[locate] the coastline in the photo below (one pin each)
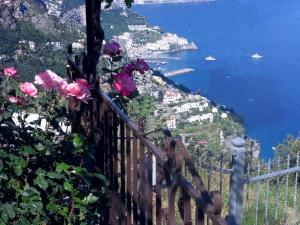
(145, 2)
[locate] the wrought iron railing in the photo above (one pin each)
(140, 172)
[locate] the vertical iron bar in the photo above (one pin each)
(187, 209)
(128, 175)
(149, 191)
(257, 195)
(142, 182)
(106, 142)
(277, 193)
(208, 178)
(286, 192)
(111, 164)
(158, 196)
(116, 168)
(267, 197)
(122, 148)
(295, 190)
(135, 181)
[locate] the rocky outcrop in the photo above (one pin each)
(10, 12)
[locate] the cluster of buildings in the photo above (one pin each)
(166, 43)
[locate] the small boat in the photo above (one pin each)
(210, 58)
(256, 56)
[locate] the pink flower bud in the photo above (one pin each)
(140, 65)
(29, 89)
(112, 49)
(17, 99)
(11, 72)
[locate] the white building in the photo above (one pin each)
(224, 115)
(199, 118)
(171, 124)
(171, 96)
(31, 45)
(137, 27)
(214, 110)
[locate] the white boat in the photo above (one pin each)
(256, 56)
(210, 58)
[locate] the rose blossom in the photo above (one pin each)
(140, 65)
(17, 99)
(128, 68)
(84, 82)
(111, 48)
(124, 84)
(29, 89)
(50, 80)
(11, 72)
(80, 90)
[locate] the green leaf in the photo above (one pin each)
(62, 167)
(41, 182)
(68, 186)
(4, 216)
(90, 199)
(101, 177)
(3, 154)
(21, 162)
(10, 210)
(40, 172)
(23, 221)
(29, 150)
(18, 170)
(54, 175)
(77, 141)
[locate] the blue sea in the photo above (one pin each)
(265, 92)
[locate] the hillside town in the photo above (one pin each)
(135, 44)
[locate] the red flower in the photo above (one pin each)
(11, 72)
(140, 65)
(124, 84)
(17, 99)
(112, 49)
(80, 90)
(29, 89)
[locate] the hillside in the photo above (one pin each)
(32, 38)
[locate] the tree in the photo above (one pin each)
(289, 146)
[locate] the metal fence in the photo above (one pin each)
(255, 193)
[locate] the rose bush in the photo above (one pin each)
(120, 73)
(45, 172)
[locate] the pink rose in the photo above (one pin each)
(128, 68)
(17, 99)
(11, 72)
(29, 89)
(140, 65)
(112, 49)
(50, 80)
(124, 84)
(80, 90)
(84, 82)
(63, 91)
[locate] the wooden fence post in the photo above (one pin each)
(237, 180)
